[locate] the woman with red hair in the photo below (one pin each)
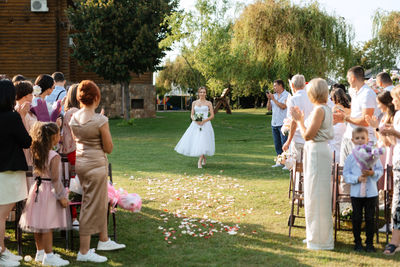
(93, 140)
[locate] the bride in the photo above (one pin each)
(198, 140)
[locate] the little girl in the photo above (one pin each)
(45, 208)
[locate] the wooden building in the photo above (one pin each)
(34, 40)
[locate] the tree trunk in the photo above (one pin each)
(127, 101)
(122, 100)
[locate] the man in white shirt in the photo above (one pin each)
(277, 103)
(301, 100)
(384, 81)
(363, 102)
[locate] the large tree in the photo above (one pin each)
(285, 39)
(115, 38)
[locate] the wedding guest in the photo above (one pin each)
(277, 103)
(93, 140)
(354, 176)
(302, 101)
(341, 102)
(13, 138)
(59, 91)
(363, 102)
(317, 166)
(394, 130)
(18, 78)
(384, 81)
(44, 86)
(45, 208)
(198, 140)
(24, 98)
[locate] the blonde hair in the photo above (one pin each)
(395, 92)
(201, 87)
(42, 142)
(317, 90)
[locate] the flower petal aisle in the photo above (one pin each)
(196, 205)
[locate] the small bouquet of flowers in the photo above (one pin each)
(198, 117)
(286, 126)
(347, 213)
(366, 156)
(131, 202)
(287, 159)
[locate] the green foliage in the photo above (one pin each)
(114, 38)
(285, 39)
(382, 52)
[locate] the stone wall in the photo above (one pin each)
(142, 100)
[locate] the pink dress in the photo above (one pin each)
(386, 158)
(43, 212)
(68, 140)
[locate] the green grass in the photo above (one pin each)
(237, 188)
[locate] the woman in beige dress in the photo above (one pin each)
(93, 140)
(317, 167)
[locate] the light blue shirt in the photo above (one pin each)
(58, 93)
(351, 172)
(278, 114)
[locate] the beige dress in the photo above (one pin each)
(92, 169)
(317, 186)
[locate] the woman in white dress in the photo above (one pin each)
(198, 140)
(317, 167)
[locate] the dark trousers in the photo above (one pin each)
(368, 205)
(279, 139)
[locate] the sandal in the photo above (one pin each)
(390, 249)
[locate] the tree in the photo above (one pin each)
(115, 38)
(383, 50)
(285, 39)
(178, 73)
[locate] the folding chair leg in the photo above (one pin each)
(336, 219)
(115, 227)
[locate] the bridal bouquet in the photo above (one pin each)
(198, 117)
(366, 156)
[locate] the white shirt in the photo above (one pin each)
(389, 88)
(363, 99)
(278, 114)
(299, 99)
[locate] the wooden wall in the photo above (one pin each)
(32, 43)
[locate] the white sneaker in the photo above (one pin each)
(75, 225)
(109, 245)
(4, 261)
(91, 256)
(277, 165)
(54, 260)
(383, 229)
(39, 255)
(10, 256)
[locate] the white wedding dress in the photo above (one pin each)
(197, 140)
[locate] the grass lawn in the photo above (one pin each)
(233, 212)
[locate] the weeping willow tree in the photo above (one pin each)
(276, 40)
(383, 50)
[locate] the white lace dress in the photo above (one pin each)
(197, 140)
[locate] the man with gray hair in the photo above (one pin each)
(300, 100)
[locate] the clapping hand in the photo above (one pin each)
(338, 116)
(24, 108)
(372, 121)
(388, 130)
(297, 114)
